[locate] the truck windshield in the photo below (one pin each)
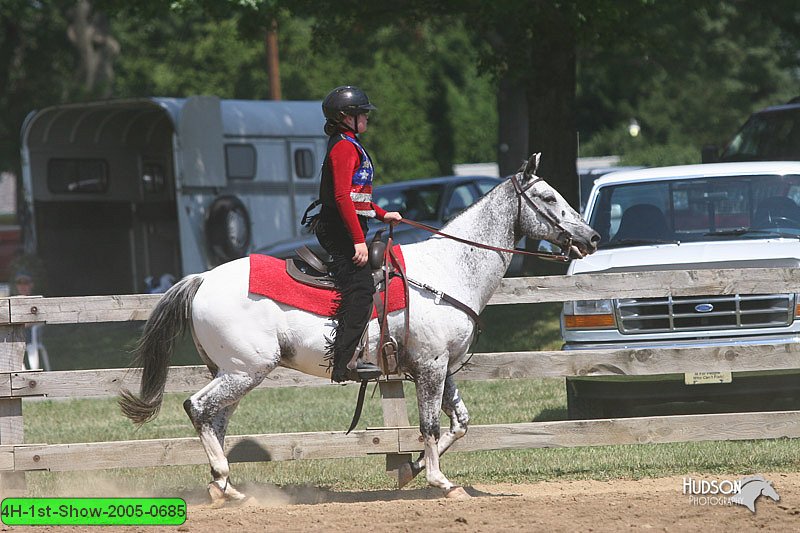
(767, 136)
(697, 209)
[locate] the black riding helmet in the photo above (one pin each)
(345, 100)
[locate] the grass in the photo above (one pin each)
(102, 345)
(521, 327)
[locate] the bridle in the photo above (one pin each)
(545, 212)
(521, 193)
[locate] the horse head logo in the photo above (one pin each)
(752, 488)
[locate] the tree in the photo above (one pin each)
(34, 60)
(530, 47)
(693, 81)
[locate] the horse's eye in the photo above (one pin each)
(549, 198)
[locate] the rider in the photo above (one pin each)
(345, 193)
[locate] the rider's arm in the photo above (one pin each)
(344, 162)
(379, 211)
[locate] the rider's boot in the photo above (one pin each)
(361, 369)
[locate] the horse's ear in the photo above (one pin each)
(532, 166)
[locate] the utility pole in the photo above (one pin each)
(273, 66)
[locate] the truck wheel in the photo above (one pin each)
(228, 229)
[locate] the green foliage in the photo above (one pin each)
(691, 79)
(433, 108)
(36, 66)
(202, 57)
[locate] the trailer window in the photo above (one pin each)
(304, 163)
(240, 161)
(153, 178)
(77, 176)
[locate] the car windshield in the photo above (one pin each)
(767, 136)
(415, 203)
(697, 209)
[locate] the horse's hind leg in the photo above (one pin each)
(209, 410)
(456, 411)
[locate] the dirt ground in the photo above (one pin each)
(648, 504)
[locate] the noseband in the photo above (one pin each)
(543, 211)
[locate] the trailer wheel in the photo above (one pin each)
(228, 229)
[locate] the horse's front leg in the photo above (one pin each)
(430, 389)
(456, 411)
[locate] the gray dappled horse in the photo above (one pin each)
(242, 337)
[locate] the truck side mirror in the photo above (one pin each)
(710, 154)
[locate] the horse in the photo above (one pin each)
(752, 488)
(242, 337)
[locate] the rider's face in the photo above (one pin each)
(360, 120)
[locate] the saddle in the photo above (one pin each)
(310, 269)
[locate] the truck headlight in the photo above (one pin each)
(586, 314)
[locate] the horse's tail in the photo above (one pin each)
(166, 325)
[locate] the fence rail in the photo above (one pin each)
(397, 440)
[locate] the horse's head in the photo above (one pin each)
(769, 491)
(544, 214)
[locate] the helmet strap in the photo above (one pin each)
(345, 126)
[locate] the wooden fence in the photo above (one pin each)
(396, 439)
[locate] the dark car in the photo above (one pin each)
(771, 134)
(432, 201)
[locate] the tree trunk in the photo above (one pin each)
(551, 104)
(273, 61)
(90, 34)
(512, 114)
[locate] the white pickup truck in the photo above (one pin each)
(725, 215)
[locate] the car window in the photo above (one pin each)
(767, 136)
(697, 209)
(462, 197)
(485, 186)
(415, 203)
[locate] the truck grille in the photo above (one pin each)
(651, 315)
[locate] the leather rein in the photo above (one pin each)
(520, 191)
(390, 258)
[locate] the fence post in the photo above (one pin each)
(395, 414)
(12, 354)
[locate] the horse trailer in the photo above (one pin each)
(119, 193)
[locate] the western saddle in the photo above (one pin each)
(311, 269)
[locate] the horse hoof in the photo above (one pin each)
(457, 493)
(404, 475)
(217, 496)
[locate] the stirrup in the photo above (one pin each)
(389, 351)
(389, 348)
(367, 371)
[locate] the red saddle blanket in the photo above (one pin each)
(268, 278)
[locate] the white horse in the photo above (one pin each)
(242, 337)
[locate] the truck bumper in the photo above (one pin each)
(760, 340)
(752, 391)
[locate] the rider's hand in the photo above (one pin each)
(392, 217)
(360, 259)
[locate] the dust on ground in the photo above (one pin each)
(597, 506)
